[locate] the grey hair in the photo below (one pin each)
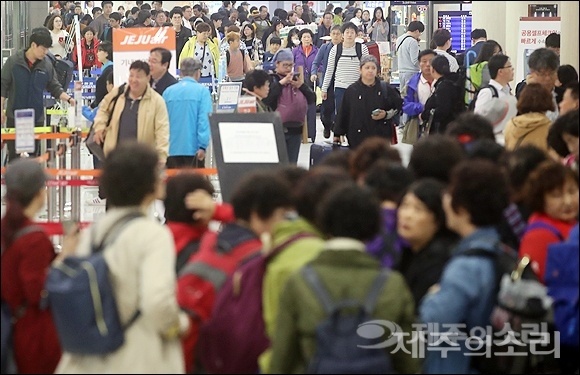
(368, 58)
(189, 66)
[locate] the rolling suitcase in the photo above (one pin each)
(320, 150)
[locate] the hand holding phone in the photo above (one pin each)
(376, 112)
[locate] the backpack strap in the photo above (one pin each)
(113, 103)
(494, 93)
(186, 253)
(314, 281)
(276, 250)
(546, 226)
(376, 289)
(113, 231)
(336, 58)
(402, 41)
(358, 49)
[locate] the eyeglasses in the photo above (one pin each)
(507, 67)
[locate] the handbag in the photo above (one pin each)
(411, 131)
(95, 148)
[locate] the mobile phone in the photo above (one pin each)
(375, 112)
(295, 76)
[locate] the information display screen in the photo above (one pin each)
(459, 24)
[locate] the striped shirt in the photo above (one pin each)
(347, 70)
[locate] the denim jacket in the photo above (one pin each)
(466, 296)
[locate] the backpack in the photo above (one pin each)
(82, 301)
(561, 278)
(292, 105)
(520, 297)
(358, 49)
(340, 349)
(8, 318)
(494, 94)
(474, 83)
(465, 86)
(63, 69)
(183, 256)
(235, 335)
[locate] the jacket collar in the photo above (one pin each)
(484, 238)
(344, 243)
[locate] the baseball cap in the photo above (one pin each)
(499, 111)
(284, 54)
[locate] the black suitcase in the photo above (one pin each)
(320, 150)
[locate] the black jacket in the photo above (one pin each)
(101, 89)
(424, 268)
(164, 82)
(448, 102)
(353, 118)
(181, 39)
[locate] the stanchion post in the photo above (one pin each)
(75, 158)
(61, 152)
(51, 196)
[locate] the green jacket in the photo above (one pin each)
(279, 269)
(347, 272)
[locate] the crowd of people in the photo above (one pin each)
(411, 245)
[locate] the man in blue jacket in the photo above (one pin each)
(25, 76)
(189, 105)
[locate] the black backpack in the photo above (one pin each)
(340, 349)
(357, 47)
(63, 69)
(494, 94)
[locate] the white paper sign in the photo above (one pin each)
(248, 142)
(229, 92)
(24, 127)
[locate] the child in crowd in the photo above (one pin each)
(275, 43)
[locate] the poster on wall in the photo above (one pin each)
(133, 44)
(531, 36)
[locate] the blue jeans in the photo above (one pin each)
(338, 95)
(293, 142)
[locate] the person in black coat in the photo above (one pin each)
(447, 100)
(105, 56)
(368, 107)
(182, 33)
(421, 224)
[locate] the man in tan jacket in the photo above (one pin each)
(138, 113)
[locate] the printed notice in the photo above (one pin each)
(248, 142)
(228, 96)
(24, 126)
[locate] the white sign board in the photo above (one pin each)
(24, 127)
(248, 142)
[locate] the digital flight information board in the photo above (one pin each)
(458, 22)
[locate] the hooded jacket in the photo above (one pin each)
(527, 129)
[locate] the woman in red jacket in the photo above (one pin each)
(552, 195)
(89, 49)
(27, 253)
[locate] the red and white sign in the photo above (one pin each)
(133, 44)
(532, 35)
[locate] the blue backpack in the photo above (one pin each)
(562, 280)
(8, 318)
(340, 349)
(82, 301)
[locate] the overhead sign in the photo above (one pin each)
(131, 44)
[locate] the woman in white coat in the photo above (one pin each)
(141, 264)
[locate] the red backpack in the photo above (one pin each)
(235, 335)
